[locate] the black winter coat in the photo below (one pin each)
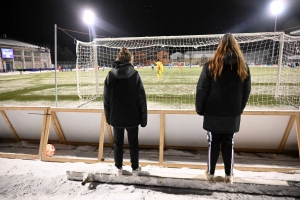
(124, 100)
(222, 102)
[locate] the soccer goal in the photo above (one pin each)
(273, 58)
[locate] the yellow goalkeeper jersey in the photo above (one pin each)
(160, 66)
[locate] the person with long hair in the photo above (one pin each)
(222, 92)
(125, 107)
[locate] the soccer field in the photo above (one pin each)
(175, 91)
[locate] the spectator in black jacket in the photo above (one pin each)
(125, 107)
(222, 92)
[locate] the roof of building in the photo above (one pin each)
(297, 32)
(14, 43)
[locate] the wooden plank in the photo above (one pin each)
(19, 156)
(85, 110)
(44, 132)
(58, 128)
(298, 132)
(80, 175)
(195, 181)
(236, 166)
(287, 133)
(24, 108)
(45, 138)
(262, 112)
(172, 112)
(161, 138)
(272, 112)
(83, 143)
(10, 125)
(110, 135)
(101, 139)
(56, 159)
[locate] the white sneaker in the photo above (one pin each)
(229, 179)
(137, 171)
(210, 177)
(119, 172)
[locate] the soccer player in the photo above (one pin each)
(160, 70)
(223, 90)
(179, 66)
(125, 107)
(170, 65)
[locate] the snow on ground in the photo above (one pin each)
(35, 179)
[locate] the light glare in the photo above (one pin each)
(89, 17)
(276, 7)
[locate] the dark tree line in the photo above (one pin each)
(63, 54)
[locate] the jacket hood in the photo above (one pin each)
(122, 70)
(230, 59)
(119, 64)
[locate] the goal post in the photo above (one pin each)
(273, 58)
(87, 70)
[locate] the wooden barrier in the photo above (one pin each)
(23, 124)
(260, 131)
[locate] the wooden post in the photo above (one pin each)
(162, 139)
(287, 133)
(10, 126)
(101, 139)
(111, 138)
(45, 133)
(57, 128)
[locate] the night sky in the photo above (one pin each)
(33, 20)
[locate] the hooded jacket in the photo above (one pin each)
(124, 96)
(222, 102)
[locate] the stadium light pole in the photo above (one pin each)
(276, 8)
(89, 19)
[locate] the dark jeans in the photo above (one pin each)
(133, 141)
(226, 140)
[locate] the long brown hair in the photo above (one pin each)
(228, 45)
(125, 55)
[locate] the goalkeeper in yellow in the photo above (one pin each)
(160, 70)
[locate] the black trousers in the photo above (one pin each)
(133, 141)
(226, 140)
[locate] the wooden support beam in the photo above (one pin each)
(109, 131)
(19, 156)
(286, 133)
(58, 128)
(10, 125)
(44, 132)
(162, 138)
(101, 139)
(56, 159)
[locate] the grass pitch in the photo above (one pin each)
(175, 91)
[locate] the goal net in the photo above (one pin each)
(273, 58)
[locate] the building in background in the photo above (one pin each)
(16, 55)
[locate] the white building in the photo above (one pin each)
(20, 55)
(198, 54)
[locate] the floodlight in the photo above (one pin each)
(276, 7)
(89, 17)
